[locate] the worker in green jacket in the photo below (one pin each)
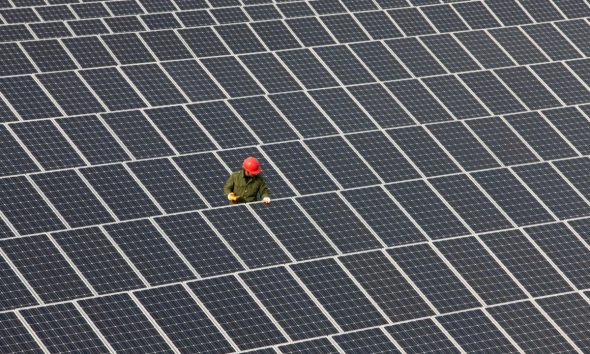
(246, 185)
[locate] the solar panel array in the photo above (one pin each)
(428, 162)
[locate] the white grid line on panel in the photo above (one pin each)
(72, 265)
(20, 276)
(32, 332)
(154, 323)
(99, 334)
(210, 317)
(25, 149)
(124, 256)
(270, 233)
(312, 221)
(172, 245)
(48, 202)
(144, 189)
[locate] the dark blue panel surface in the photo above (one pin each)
(120, 192)
(150, 253)
(338, 294)
(205, 251)
(434, 278)
(124, 325)
(183, 321)
(72, 198)
(387, 286)
(15, 336)
(236, 311)
(295, 231)
(98, 260)
(242, 231)
(62, 329)
(422, 336)
(46, 270)
(288, 303)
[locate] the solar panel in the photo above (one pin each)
(427, 163)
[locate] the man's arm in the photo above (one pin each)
(264, 192)
(229, 185)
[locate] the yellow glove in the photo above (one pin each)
(233, 197)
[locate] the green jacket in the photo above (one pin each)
(248, 191)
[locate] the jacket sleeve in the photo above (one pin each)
(229, 185)
(263, 189)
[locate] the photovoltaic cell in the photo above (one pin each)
(270, 73)
(288, 303)
(13, 157)
(138, 135)
(15, 336)
(236, 311)
(492, 92)
(497, 135)
(384, 216)
(183, 321)
(211, 190)
(573, 125)
(434, 278)
(421, 104)
(308, 69)
(527, 326)
(303, 114)
(310, 31)
(526, 263)
(563, 83)
(20, 91)
(571, 313)
(344, 28)
(331, 152)
(62, 328)
(148, 250)
(551, 41)
(422, 336)
(415, 56)
(225, 127)
(386, 285)
(338, 294)
(505, 189)
(575, 172)
(480, 270)
(112, 88)
(463, 146)
(167, 185)
(342, 110)
(433, 216)
(299, 167)
(49, 55)
(371, 340)
(193, 80)
(153, 84)
(517, 44)
(123, 324)
(332, 215)
(342, 62)
(528, 88)
(246, 236)
(72, 198)
(98, 260)
(201, 246)
(93, 139)
(423, 151)
(316, 346)
(288, 223)
(553, 190)
(15, 292)
(232, 76)
(180, 129)
(263, 119)
(24, 207)
(476, 333)
(44, 268)
(120, 192)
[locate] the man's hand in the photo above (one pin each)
(233, 197)
(266, 200)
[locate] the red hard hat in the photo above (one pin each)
(252, 165)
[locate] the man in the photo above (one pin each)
(246, 185)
